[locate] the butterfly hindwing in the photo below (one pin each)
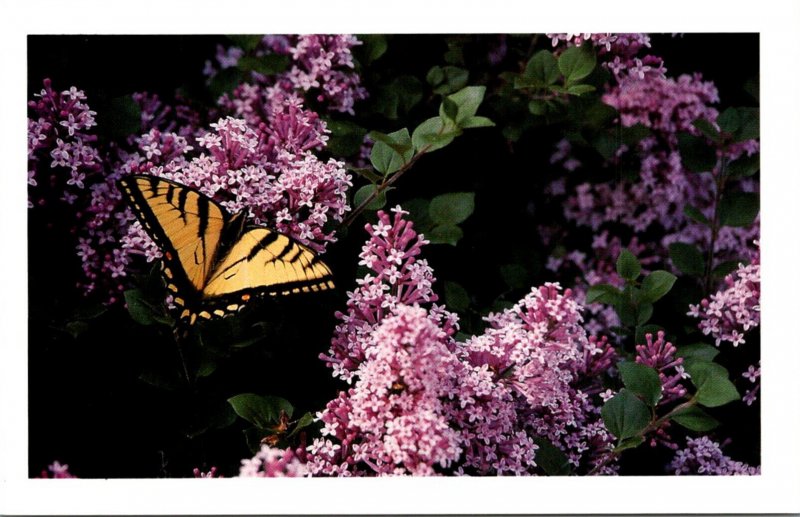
(211, 264)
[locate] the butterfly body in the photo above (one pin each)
(213, 263)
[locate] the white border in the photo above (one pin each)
(776, 490)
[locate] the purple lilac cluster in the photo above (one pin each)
(731, 312)
(422, 403)
(619, 52)
(753, 375)
(210, 473)
(59, 141)
(56, 471)
(702, 456)
(321, 65)
(273, 462)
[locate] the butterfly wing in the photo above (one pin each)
(184, 223)
(263, 261)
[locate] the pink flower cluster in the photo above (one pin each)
(753, 375)
(730, 313)
(702, 456)
(422, 403)
(58, 139)
(56, 471)
(659, 354)
(271, 462)
(321, 65)
(619, 53)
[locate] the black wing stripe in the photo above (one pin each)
(263, 243)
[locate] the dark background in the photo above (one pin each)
(87, 405)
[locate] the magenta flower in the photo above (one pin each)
(56, 471)
(272, 462)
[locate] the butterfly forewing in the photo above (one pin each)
(263, 258)
(182, 221)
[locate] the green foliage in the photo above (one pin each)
(447, 79)
(455, 296)
(372, 47)
(345, 138)
(143, 310)
(261, 411)
(445, 234)
(121, 117)
(697, 351)
(696, 155)
(738, 208)
(390, 152)
(656, 285)
(624, 415)
(433, 134)
(363, 193)
(452, 208)
(246, 42)
(744, 166)
(515, 276)
(712, 383)
(628, 265)
(604, 293)
(267, 64)
(695, 419)
(576, 63)
(552, 459)
(642, 380)
(542, 69)
(687, 258)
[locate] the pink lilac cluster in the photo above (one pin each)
(272, 462)
(211, 473)
(61, 152)
(731, 312)
(422, 403)
(56, 471)
(178, 118)
(753, 375)
(619, 52)
(287, 188)
(702, 456)
(321, 65)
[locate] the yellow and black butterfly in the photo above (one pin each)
(212, 262)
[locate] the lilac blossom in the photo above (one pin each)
(619, 53)
(702, 456)
(211, 473)
(752, 374)
(659, 354)
(273, 462)
(59, 141)
(56, 471)
(731, 312)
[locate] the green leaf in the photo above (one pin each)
(467, 101)
(724, 269)
(552, 459)
(76, 328)
(445, 234)
(409, 92)
(695, 419)
(372, 47)
(345, 138)
(644, 313)
(391, 152)
(738, 208)
(625, 415)
(366, 191)
(749, 126)
(580, 89)
(433, 134)
(246, 42)
(641, 380)
(713, 386)
(604, 293)
(728, 120)
(267, 65)
(453, 208)
(697, 351)
(448, 109)
(634, 134)
(304, 421)
(656, 285)
(695, 214)
(420, 213)
(456, 297)
(744, 166)
(628, 265)
(628, 443)
(542, 68)
(473, 122)
(537, 107)
(261, 411)
(707, 128)
(142, 311)
(448, 79)
(122, 118)
(696, 155)
(687, 258)
(576, 63)
(515, 276)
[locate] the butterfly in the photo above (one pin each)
(213, 262)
